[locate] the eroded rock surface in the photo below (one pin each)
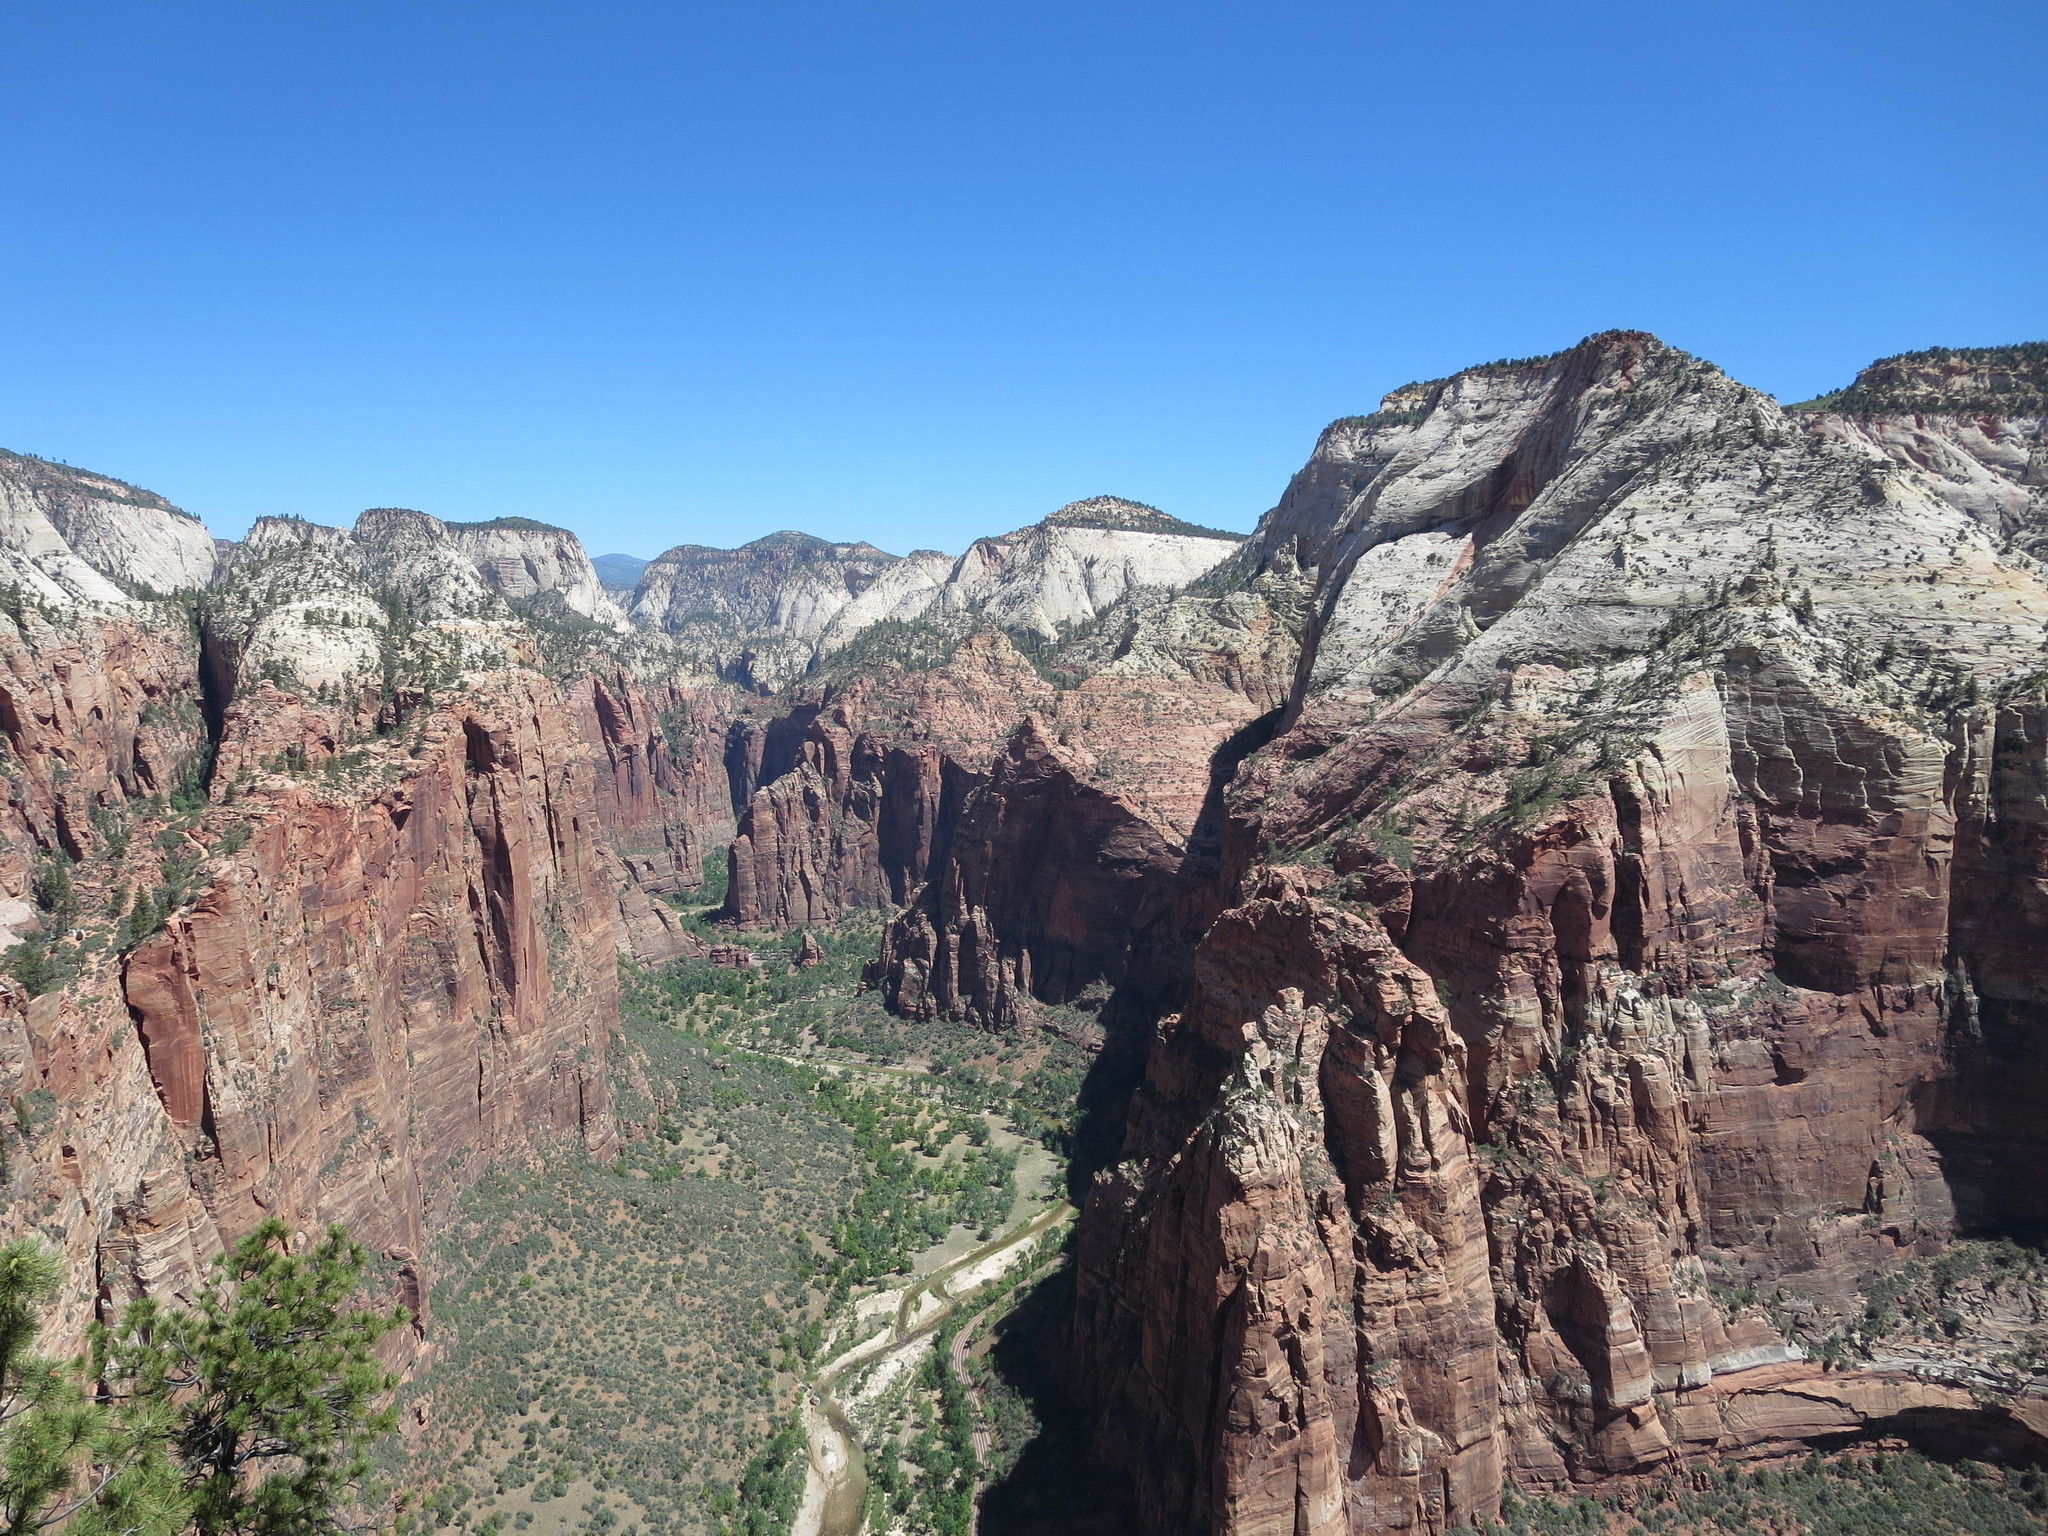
(1607, 945)
(1568, 889)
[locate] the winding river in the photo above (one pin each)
(836, 1484)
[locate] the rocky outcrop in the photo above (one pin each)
(402, 610)
(849, 801)
(368, 951)
(853, 826)
(537, 565)
(2006, 384)
(394, 964)
(862, 793)
(1049, 888)
(1571, 880)
(1608, 947)
(69, 535)
(766, 613)
(359, 614)
(663, 796)
(754, 614)
(1057, 575)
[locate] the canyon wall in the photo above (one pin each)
(321, 951)
(1567, 891)
(1606, 986)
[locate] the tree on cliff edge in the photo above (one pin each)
(67, 1460)
(274, 1381)
(246, 1414)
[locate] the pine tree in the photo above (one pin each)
(54, 891)
(32, 965)
(67, 1460)
(142, 920)
(274, 1384)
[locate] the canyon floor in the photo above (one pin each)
(661, 1342)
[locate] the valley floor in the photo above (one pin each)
(792, 1273)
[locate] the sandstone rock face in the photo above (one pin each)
(388, 974)
(524, 560)
(1570, 886)
(72, 535)
(852, 826)
(1049, 884)
(392, 602)
(1066, 571)
(754, 614)
(1609, 929)
(663, 796)
(369, 951)
(386, 983)
(894, 766)
(764, 614)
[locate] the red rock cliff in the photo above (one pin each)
(1634, 918)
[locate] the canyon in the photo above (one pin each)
(1555, 913)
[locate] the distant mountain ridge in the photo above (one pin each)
(619, 573)
(767, 611)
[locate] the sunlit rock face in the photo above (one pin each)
(349, 848)
(755, 613)
(1625, 922)
(768, 612)
(530, 562)
(1566, 890)
(72, 534)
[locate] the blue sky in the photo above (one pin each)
(670, 272)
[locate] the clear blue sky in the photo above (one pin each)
(664, 271)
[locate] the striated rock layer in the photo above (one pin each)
(1634, 918)
(1567, 892)
(325, 950)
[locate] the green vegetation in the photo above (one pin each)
(275, 1383)
(624, 1338)
(1999, 381)
(1118, 515)
(621, 1335)
(246, 1414)
(717, 878)
(769, 1489)
(1939, 1302)
(568, 641)
(1400, 418)
(911, 1194)
(55, 478)
(914, 645)
(506, 524)
(1888, 1493)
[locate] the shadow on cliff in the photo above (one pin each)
(1160, 969)
(1055, 1487)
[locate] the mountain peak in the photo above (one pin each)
(1947, 381)
(1116, 514)
(808, 546)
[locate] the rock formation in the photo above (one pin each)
(535, 563)
(1595, 952)
(320, 897)
(1567, 891)
(754, 614)
(764, 614)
